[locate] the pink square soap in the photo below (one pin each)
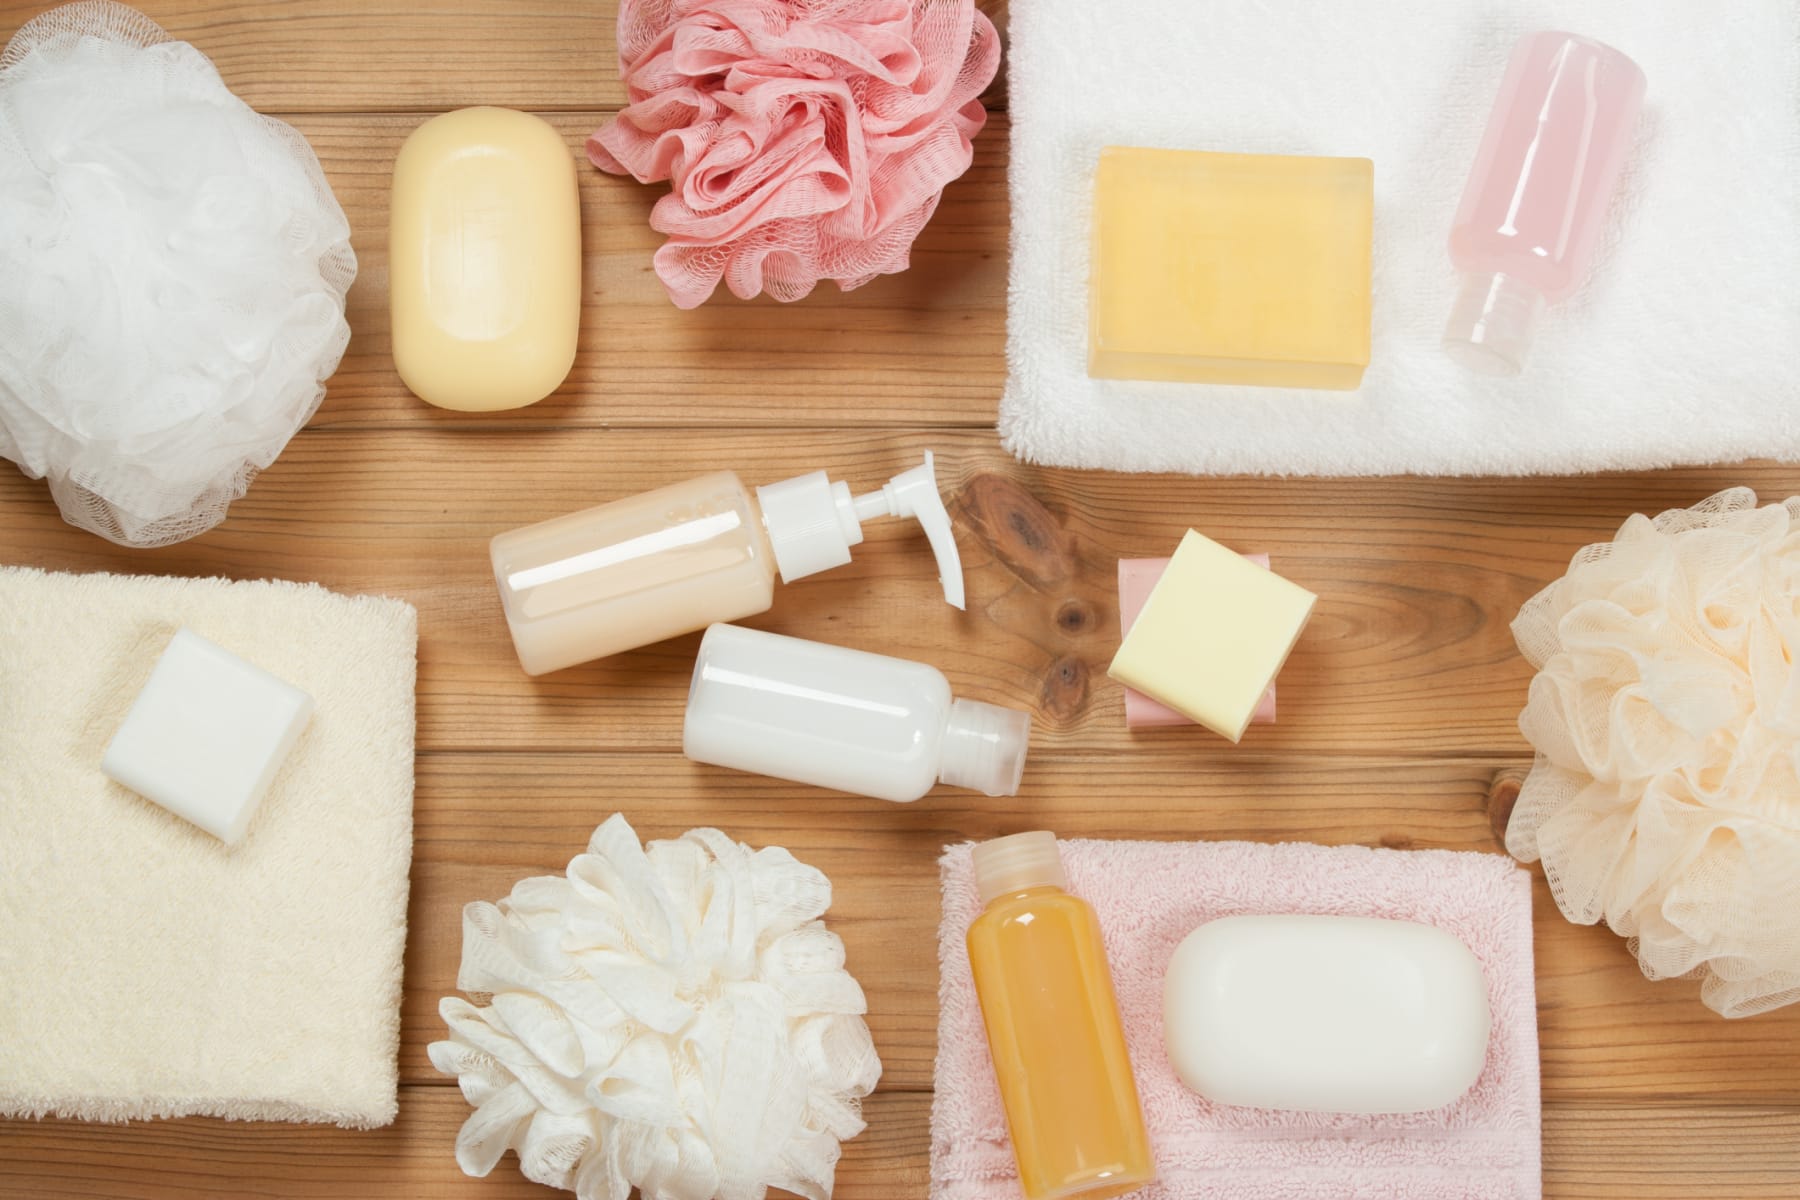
(1137, 578)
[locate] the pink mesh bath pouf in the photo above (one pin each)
(803, 139)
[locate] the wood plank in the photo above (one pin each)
(1591, 1152)
(1625, 1151)
(920, 348)
(293, 56)
(300, 56)
(486, 821)
(1409, 652)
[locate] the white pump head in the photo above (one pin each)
(812, 522)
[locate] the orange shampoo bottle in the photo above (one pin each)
(1053, 1027)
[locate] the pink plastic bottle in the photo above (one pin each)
(1536, 199)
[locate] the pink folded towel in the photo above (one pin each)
(1149, 895)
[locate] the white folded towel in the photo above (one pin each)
(147, 969)
(1684, 347)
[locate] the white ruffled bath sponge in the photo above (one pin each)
(174, 270)
(672, 1017)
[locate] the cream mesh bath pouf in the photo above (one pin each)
(1665, 798)
(174, 270)
(672, 1017)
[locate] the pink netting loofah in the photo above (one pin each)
(804, 139)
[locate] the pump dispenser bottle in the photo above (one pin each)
(1053, 1027)
(845, 719)
(1535, 204)
(677, 559)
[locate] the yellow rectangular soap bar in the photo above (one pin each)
(484, 273)
(1231, 268)
(1212, 636)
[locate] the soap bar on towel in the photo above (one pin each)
(1318, 1013)
(1708, 312)
(1137, 577)
(1148, 896)
(1212, 636)
(206, 735)
(1231, 268)
(148, 970)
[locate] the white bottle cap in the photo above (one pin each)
(984, 747)
(1016, 864)
(812, 522)
(1492, 324)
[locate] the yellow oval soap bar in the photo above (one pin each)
(484, 277)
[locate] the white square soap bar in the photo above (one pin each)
(206, 736)
(1212, 636)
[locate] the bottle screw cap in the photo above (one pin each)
(1013, 864)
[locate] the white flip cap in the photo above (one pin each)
(812, 522)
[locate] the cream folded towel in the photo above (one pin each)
(1680, 349)
(148, 969)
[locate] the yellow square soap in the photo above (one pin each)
(1212, 636)
(1231, 268)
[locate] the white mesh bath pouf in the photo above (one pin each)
(1665, 798)
(672, 1017)
(175, 268)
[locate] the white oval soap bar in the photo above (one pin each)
(1326, 1014)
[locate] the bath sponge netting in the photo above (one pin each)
(1665, 796)
(176, 269)
(673, 1017)
(802, 139)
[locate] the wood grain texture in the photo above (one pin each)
(1398, 712)
(296, 56)
(1593, 1152)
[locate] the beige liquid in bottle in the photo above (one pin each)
(703, 552)
(636, 571)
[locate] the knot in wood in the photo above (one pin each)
(1022, 533)
(1065, 688)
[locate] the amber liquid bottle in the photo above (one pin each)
(1053, 1027)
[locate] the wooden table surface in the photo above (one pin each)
(1397, 710)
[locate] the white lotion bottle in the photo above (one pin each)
(670, 561)
(845, 719)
